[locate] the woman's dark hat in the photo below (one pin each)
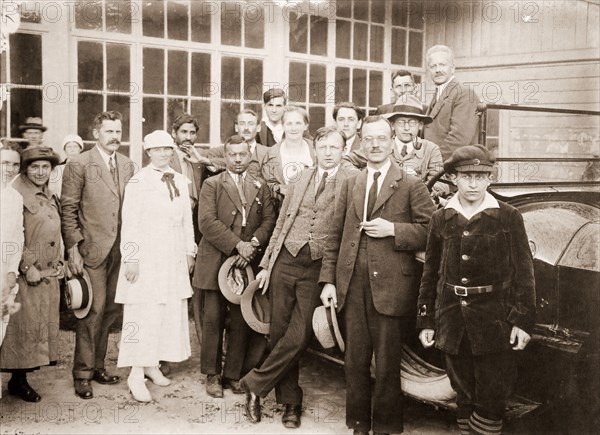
(33, 123)
(407, 105)
(33, 154)
(470, 158)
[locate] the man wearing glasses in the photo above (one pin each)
(369, 274)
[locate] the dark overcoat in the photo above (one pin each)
(489, 249)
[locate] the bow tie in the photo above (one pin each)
(168, 178)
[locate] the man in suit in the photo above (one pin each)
(454, 106)
(271, 128)
(247, 126)
(369, 274)
(236, 217)
(92, 194)
(348, 119)
(403, 83)
(291, 264)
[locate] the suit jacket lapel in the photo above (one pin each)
(388, 187)
(122, 173)
(104, 172)
(231, 189)
(442, 98)
(250, 189)
(359, 194)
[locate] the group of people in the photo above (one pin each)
(332, 220)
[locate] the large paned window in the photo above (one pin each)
(21, 76)
(407, 33)
(308, 88)
(242, 24)
(181, 20)
(108, 16)
(308, 34)
(104, 83)
(175, 81)
(241, 88)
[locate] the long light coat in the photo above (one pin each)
(158, 234)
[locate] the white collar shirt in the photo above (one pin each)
(488, 202)
(370, 171)
(107, 157)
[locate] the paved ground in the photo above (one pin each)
(183, 407)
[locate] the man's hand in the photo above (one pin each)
(519, 338)
(246, 250)
(33, 276)
(192, 155)
(10, 280)
(264, 277)
(75, 260)
(191, 261)
(426, 337)
(378, 228)
(132, 272)
(329, 295)
(240, 262)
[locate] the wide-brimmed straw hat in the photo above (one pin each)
(79, 295)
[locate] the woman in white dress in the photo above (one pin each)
(158, 250)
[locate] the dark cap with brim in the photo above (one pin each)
(470, 158)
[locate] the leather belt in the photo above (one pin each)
(461, 290)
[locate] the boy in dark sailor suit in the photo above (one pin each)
(477, 295)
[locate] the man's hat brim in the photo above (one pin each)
(256, 308)
(24, 127)
(79, 295)
(326, 328)
(230, 295)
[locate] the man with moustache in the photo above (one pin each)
(454, 106)
(92, 194)
(369, 273)
(348, 119)
(247, 126)
(290, 268)
(236, 217)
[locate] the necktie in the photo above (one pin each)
(321, 187)
(240, 188)
(404, 151)
(372, 195)
(113, 171)
(168, 179)
(435, 99)
(175, 163)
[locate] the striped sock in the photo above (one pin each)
(484, 426)
(463, 425)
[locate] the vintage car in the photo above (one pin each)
(549, 168)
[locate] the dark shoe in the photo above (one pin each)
(232, 385)
(213, 386)
(291, 416)
(20, 388)
(102, 377)
(83, 388)
(165, 368)
(252, 404)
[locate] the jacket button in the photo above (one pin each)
(464, 280)
(41, 204)
(375, 274)
(353, 244)
(463, 303)
(466, 233)
(52, 243)
(233, 213)
(465, 257)
(357, 225)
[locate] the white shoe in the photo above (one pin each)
(156, 376)
(138, 390)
